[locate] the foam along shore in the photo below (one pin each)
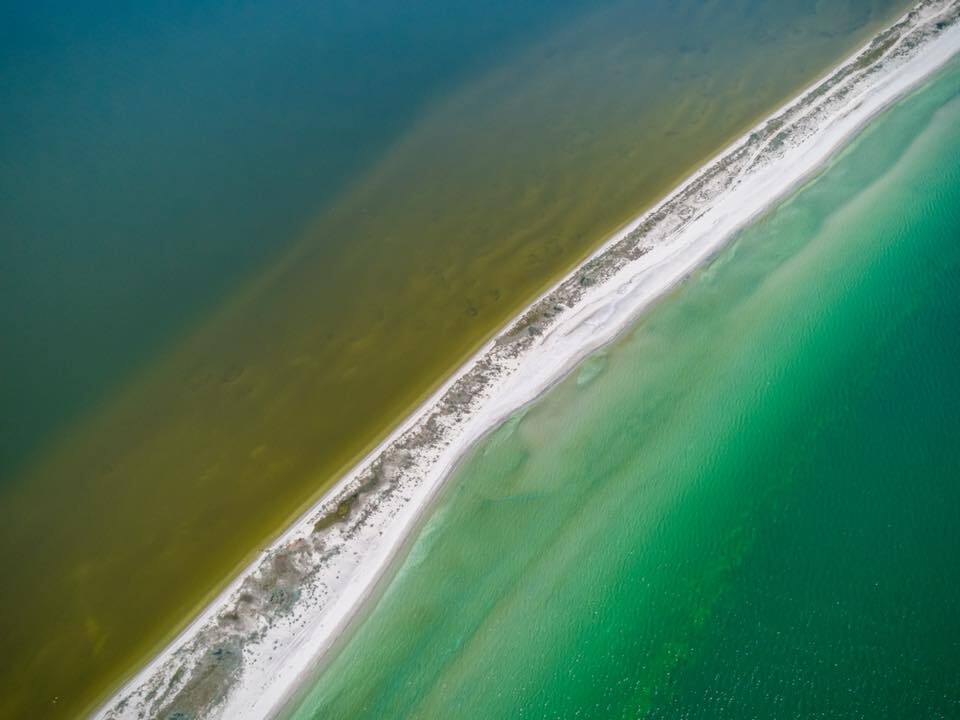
(261, 638)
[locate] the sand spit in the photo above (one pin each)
(257, 642)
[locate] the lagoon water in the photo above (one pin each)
(746, 507)
(241, 241)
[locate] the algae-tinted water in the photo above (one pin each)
(239, 241)
(745, 508)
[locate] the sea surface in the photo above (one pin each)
(746, 507)
(240, 241)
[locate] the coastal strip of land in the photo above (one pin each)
(262, 637)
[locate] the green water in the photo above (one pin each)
(240, 241)
(745, 508)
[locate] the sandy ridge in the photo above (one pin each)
(257, 641)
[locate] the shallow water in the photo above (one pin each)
(744, 508)
(245, 239)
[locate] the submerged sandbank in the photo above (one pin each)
(250, 648)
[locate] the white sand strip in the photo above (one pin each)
(258, 641)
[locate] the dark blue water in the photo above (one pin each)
(152, 155)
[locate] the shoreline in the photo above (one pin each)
(250, 651)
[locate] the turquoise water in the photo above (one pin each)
(747, 507)
(239, 241)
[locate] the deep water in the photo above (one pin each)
(747, 507)
(240, 241)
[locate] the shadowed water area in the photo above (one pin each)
(745, 508)
(240, 242)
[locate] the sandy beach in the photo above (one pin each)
(263, 636)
